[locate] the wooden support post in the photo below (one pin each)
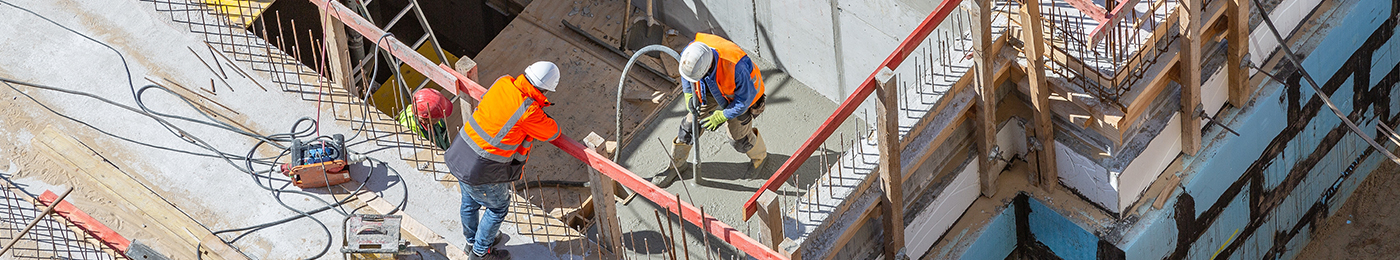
(604, 207)
(1190, 68)
(771, 232)
(337, 52)
(985, 79)
(891, 178)
(1238, 35)
(1040, 93)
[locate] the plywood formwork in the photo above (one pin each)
(589, 74)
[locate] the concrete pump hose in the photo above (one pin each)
(623, 80)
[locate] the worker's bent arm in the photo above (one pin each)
(744, 89)
(541, 126)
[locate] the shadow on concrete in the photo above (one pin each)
(646, 242)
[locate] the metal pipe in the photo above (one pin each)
(35, 222)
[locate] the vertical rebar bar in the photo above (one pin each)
(663, 230)
(705, 226)
(680, 217)
(296, 48)
(827, 172)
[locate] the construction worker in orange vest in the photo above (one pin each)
(728, 88)
(492, 148)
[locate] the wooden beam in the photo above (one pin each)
(604, 206)
(982, 58)
(771, 232)
(1040, 94)
(1149, 92)
(337, 52)
(1112, 19)
(1238, 34)
(164, 219)
(1190, 69)
(1085, 6)
(891, 177)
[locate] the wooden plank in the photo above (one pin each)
(862, 217)
(1085, 6)
(986, 89)
(1149, 92)
(1074, 64)
(1190, 69)
(604, 201)
(891, 177)
(337, 52)
(1040, 96)
(167, 221)
(1238, 34)
(217, 245)
(958, 114)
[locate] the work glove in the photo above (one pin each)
(688, 98)
(715, 120)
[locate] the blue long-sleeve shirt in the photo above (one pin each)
(744, 89)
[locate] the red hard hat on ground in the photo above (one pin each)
(429, 103)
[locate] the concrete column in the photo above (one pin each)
(1034, 38)
(984, 82)
(891, 177)
(771, 232)
(604, 205)
(1238, 35)
(338, 52)
(1190, 69)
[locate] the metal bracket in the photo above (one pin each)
(137, 250)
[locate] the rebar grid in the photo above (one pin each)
(242, 31)
(53, 238)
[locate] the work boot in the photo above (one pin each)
(759, 152)
(679, 152)
(491, 254)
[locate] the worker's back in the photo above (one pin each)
(508, 116)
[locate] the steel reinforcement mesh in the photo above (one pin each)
(53, 238)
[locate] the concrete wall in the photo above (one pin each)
(830, 51)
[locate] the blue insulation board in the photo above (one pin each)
(1066, 239)
(997, 240)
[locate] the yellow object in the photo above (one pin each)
(239, 12)
(389, 101)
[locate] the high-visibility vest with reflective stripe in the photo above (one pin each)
(729, 54)
(508, 116)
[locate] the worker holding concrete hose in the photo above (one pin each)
(491, 151)
(729, 89)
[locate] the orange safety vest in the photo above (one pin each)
(729, 54)
(509, 115)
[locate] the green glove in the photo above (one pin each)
(715, 120)
(688, 98)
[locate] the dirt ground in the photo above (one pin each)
(1367, 225)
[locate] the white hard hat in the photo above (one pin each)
(696, 60)
(543, 74)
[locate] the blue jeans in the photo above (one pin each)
(481, 229)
